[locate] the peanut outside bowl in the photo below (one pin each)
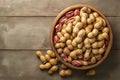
(53, 30)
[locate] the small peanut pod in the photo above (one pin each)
(47, 57)
(47, 65)
(78, 39)
(80, 45)
(102, 36)
(87, 43)
(64, 26)
(87, 30)
(92, 40)
(60, 50)
(103, 21)
(83, 9)
(95, 32)
(101, 50)
(90, 35)
(91, 19)
(67, 35)
(83, 14)
(63, 39)
(38, 53)
(98, 25)
(77, 19)
(50, 53)
(101, 43)
(93, 60)
(95, 51)
(69, 28)
(74, 43)
(88, 10)
(53, 69)
(106, 30)
(62, 45)
(57, 45)
(63, 31)
(95, 45)
(105, 35)
(68, 42)
(66, 51)
(87, 54)
(83, 20)
(59, 34)
(62, 73)
(79, 25)
(91, 72)
(42, 66)
(70, 47)
(73, 54)
(81, 33)
(53, 61)
(95, 14)
(43, 59)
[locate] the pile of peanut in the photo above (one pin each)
(81, 37)
(52, 64)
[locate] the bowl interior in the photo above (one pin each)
(52, 34)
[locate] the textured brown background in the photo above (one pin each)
(25, 27)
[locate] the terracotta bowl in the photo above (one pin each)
(53, 30)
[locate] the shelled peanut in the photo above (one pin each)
(52, 64)
(81, 37)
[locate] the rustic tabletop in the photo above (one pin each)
(25, 27)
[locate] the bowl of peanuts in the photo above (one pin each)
(81, 37)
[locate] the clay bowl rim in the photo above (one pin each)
(52, 34)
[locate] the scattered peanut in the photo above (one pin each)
(53, 61)
(53, 69)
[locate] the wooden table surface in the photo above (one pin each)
(25, 27)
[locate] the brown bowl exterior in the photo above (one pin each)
(52, 34)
